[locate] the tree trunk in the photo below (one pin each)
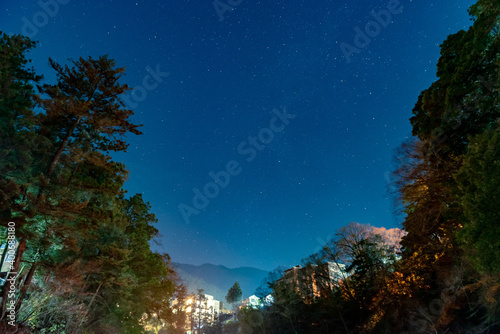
(61, 148)
(57, 156)
(90, 304)
(74, 172)
(342, 318)
(25, 286)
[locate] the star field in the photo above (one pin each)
(212, 84)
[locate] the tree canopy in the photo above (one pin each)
(234, 293)
(83, 259)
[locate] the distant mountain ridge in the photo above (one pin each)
(216, 280)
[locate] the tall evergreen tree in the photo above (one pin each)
(18, 123)
(85, 246)
(234, 294)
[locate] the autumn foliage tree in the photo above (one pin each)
(447, 277)
(446, 180)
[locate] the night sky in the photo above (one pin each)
(214, 87)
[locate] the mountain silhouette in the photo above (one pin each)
(216, 280)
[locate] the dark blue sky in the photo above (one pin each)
(328, 165)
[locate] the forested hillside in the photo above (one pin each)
(216, 280)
